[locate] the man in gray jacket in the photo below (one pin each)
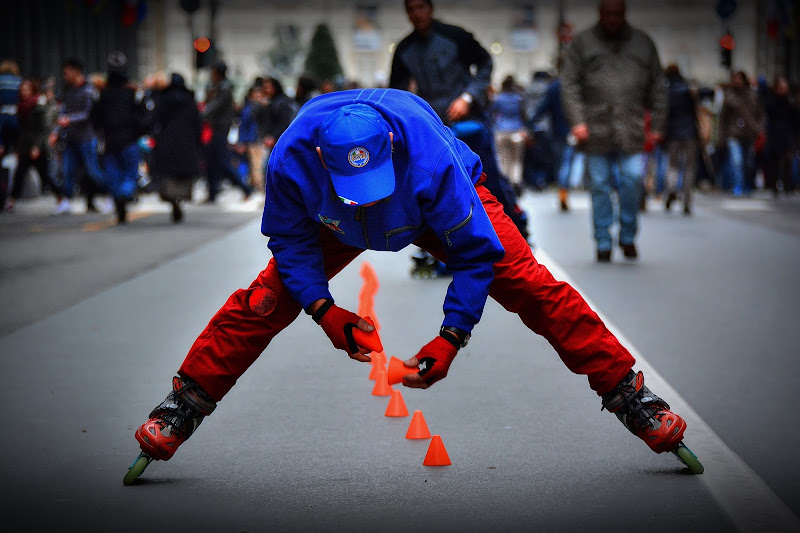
(611, 76)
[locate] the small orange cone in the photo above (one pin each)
(397, 407)
(378, 363)
(397, 370)
(437, 455)
(382, 387)
(368, 340)
(418, 429)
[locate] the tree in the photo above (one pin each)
(322, 61)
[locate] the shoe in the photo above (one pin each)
(562, 199)
(64, 207)
(9, 206)
(629, 251)
(644, 414)
(122, 211)
(671, 197)
(687, 211)
(107, 206)
(603, 256)
(177, 212)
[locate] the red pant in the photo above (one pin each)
(245, 325)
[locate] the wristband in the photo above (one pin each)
(321, 310)
(455, 336)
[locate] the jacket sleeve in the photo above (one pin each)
(571, 85)
(657, 99)
(293, 240)
(472, 53)
(400, 76)
(455, 213)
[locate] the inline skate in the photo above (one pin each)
(170, 424)
(648, 417)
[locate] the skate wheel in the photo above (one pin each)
(136, 469)
(686, 456)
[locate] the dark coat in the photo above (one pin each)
(783, 124)
(681, 112)
(177, 133)
(119, 116)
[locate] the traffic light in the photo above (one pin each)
(726, 46)
(205, 52)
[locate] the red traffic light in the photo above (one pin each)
(202, 44)
(727, 42)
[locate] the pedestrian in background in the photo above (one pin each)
(120, 118)
(33, 150)
(249, 134)
(9, 97)
(219, 112)
(680, 139)
(612, 74)
(741, 122)
(783, 128)
(79, 141)
(569, 162)
(448, 68)
(275, 117)
(177, 132)
(508, 120)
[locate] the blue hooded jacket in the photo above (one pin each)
(435, 176)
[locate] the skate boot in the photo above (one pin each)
(174, 421)
(425, 265)
(646, 415)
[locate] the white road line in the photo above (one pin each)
(741, 493)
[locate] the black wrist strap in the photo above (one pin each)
(453, 335)
(321, 310)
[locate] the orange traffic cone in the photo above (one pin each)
(368, 340)
(418, 429)
(382, 387)
(378, 364)
(397, 370)
(437, 455)
(397, 407)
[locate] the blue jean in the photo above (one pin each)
(629, 171)
(739, 163)
(568, 159)
(218, 158)
(122, 171)
(75, 154)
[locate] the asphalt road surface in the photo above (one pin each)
(97, 318)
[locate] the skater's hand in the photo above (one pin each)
(436, 356)
(339, 326)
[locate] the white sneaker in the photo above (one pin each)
(64, 207)
(108, 206)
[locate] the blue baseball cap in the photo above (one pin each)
(357, 150)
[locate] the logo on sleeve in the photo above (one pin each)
(331, 224)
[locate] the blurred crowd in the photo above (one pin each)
(735, 138)
(107, 137)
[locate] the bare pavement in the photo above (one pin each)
(300, 444)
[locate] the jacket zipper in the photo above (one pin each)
(457, 227)
(362, 216)
(397, 231)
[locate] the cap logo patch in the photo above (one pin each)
(358, 157)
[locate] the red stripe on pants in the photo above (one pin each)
(241, 330)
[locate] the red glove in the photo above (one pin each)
(341, 327)
(436, 356)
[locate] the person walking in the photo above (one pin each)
(177, 130)
(741, 122)
(612, 74)
(451, 71)
(680, 139)
(75, 129)
(120, 119)
(32, 148)
(275, 117)
(508, 120)
(377, 169)
(219, 112)
(783, 128)
(9, 128)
